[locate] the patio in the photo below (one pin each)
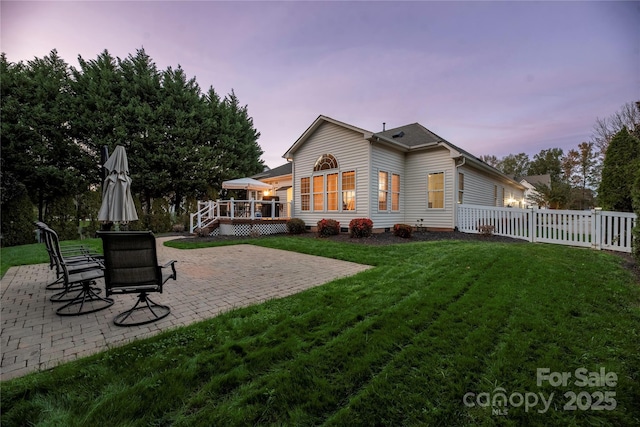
(210, 281)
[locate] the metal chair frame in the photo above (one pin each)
(131, 266)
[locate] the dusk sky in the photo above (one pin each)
(490, 77)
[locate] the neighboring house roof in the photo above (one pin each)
(271, 173)
(405, 138)
(537, 179)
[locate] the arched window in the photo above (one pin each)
(324, 162)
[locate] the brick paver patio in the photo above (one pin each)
(210, 281)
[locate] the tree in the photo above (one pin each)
(585, 171)
(620, 169)
(229, 132)
(516, 165)
(605, 129)
(491, 160)
(547, 162)
(554, 196)
(37, 145)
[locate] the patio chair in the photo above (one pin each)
(131, 266)
(80, 292)
(77, 257)
(67, 265)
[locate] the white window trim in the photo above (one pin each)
(399, 193)
(387, 191)
(464, 179)
(310, 194)
(444, 190)
(355, 190)
(339, 191)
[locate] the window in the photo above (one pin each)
(305, 196)
(318, 193)
(503, 199)
(395, 192)
(460, 187)
(435, 190)
(332, 192)
(495, 195)
(349, 191)
(324, 162)
(383, 190)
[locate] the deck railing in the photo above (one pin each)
(212, 210)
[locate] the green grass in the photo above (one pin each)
(36, 253)
(399, 344)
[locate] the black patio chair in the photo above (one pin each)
(77, 257)
(80, 292)
(66, 266)
(131, 266)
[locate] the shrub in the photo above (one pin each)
(360, 227)
(178, 228)
(295, 226)
(403, 230)
(160, 219)
(16, 226)
(328, 227)
(486, 230)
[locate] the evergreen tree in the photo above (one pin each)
(37, 144)
(620, 169)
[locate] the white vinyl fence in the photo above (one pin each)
(594, 229)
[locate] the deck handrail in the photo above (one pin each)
(212, 210)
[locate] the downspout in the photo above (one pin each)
(369, 181)
(456, 189)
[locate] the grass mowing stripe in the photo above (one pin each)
(438, 366)
(368, 350)
(265, 342)
(548, 332)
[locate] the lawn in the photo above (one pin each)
(435, 334)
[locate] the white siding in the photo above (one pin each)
(418, 166)
(384, 159)
(479, 189)
(352, 152)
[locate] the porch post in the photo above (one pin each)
(232, 208)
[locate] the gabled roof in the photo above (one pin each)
(537, 179)
(405, 138)
(315, 125)
(271, 173)
(415, 136)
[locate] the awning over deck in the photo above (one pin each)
(246, 184)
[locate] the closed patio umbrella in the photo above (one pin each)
(117, 202)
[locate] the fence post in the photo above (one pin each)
(531, 223)
(596, 229)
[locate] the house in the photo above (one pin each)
(531, 196)
(403, 175)
(280, 179)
